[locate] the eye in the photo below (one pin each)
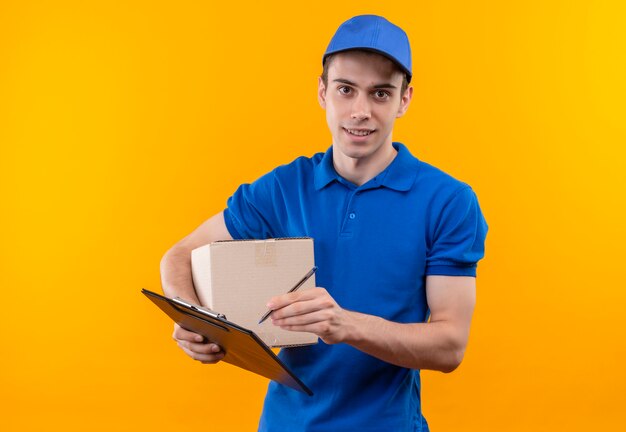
(381, 94)
(344, 90)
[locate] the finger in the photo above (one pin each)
(204, 358)
(302, 319)
(302, 295)
(186, 335)
(322, 329)
(298, 328)
(301, 308)
(205, 348)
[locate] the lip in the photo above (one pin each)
(357, 138)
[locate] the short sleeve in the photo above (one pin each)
(458, 241)
(251, 211)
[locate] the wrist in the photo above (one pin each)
(354, 327)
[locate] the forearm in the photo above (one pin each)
(176, 278)
(435, 345)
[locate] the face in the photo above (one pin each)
(362, 101)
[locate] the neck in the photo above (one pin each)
(361, 170)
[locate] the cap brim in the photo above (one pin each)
(376, 51)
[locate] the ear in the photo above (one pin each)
(321, 93)
(405, 101)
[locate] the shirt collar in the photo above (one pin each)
(402, 171)
(325, 171)
(399, 175)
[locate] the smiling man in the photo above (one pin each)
(396, 243)
(362, 94)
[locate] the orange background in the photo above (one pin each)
(124, 125)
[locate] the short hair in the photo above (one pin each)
(329, 58)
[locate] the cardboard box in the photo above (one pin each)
(238, 277)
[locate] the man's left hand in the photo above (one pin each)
(311, 310)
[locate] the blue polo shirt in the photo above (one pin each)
(374, 246)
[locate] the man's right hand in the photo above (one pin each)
(196, 346)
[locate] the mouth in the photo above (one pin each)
(359, 132)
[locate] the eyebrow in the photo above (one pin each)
(376, 86)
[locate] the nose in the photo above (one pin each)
(361, 107)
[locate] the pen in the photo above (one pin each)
(295, 287)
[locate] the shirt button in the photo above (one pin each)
(352, 215)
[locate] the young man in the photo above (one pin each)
(396, 241)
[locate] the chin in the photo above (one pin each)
(358, 150)
(354, 152)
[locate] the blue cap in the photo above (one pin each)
(373, 33)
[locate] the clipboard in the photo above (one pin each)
(242, 347)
